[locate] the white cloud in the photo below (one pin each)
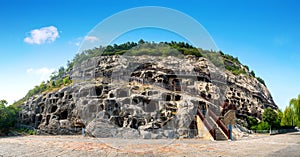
(42, 35)
(42, 73)
(91, 39)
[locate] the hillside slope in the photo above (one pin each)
(136, 95)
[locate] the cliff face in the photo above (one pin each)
(143, 96)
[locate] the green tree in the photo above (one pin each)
(7, 116)
(288, 117)
(270, 116)
(295, 103)
(261, 81)
(252, 73)
(141, 41)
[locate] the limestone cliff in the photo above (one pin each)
(143, 96)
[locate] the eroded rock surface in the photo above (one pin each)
(142, 97)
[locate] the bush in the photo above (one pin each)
(263, 126)
(252, 122)
(253, 127)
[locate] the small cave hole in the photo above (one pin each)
(40, 117)
(64, 115)
(177, 97)
(42, 109)
(168, 97)
(61, 95)
(53, 109)
(135, 100)
(101, 107)
(134, 123)
(98, 91)
(47, 119)
(111, 95)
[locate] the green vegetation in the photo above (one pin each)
(270, 119)
(261, 80)
(289, 117)
(25, 131)
(7, 117)
(263, 126)
(235, 69)
(278, 120)
(252, 123)
(172, 48)
(291, 114)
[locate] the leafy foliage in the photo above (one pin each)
(263, 126)
(252, 73)
(288, 118)
(235, 70)
(270, 118)
(7, 116)
(295, 103)
(252, 122)
(291, 114)
(277, 120)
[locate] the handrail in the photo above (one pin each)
(219, 123)
(205, 122)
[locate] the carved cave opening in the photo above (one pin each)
(47, 119)
(98, 90)
(177, 97)
(53, 109)
(64, 115)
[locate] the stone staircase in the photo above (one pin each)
(219, 134)
(215, 126)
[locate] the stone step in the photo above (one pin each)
(219, 134)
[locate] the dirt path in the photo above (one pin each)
(263, 145)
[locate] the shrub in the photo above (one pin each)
(263, 126)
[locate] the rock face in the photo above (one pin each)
(143, 97)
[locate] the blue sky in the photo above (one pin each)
(263, 35)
